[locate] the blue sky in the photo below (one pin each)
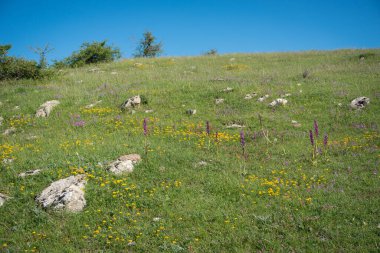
(190, 27)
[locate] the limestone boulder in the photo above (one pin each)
(131, 102)
(64, 194)
(3, 198)
(359, 103)
(46, 108)
(124, 164)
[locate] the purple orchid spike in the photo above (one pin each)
(145, 127)
(311, 137)
(242, 139)
(316, 131)
(325, 140)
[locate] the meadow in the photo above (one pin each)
(201, 186)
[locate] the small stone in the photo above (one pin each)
(113, 73)
(250, 96)
(295, 123)
(3, 198)
(298, 84)
(16, 107)
(124, 164)
(155, 219)
(7, 161)
(149, 111)
(286, 95)
(131, 102)
(263, 98)
(191, 111)
(202, 163)
(219, 100)
(29, 173)
(359, 103)
(64, 194)
(46, 108)
(228, 89)
(10, 131)
(131, 244)
(92, 105)
(278, 101)
(235, 126)
(232, 59)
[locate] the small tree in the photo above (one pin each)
(211, 52)
(147, 46)
(42, 52)
(90, 53)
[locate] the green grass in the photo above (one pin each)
(275, 198)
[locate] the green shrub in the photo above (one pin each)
(18, 68)
(89, 53)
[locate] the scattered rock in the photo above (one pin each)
(295, 123)
(131, 102)
(124, 164)
(46, 108)
(201, 163)
(113, 73)
(7, 161)
(191, 111)
(92, 105)
(29, 173)
(299, 84)
(16, 108)
(65, 194)
(148, 111)
(286, 95)
(250, 96)
(1, 120)
(228, 89)
(234, 126)
(263, 98)
(278, 101)
(155, 219)
(32, 137)
(3, 198)
(10, 131)
(359, 103)
(219, 100)
(132, 243)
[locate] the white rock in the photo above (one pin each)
(219, 100)
(46, 108)
(359, 103)
(148, 111)
(124, 164)
(250, 96)
(262, 98)
(191, 111)
(3, 198)
(234, 126)
(228, 89)
(65, 194)
(16, 107)
(113, 73)
(295, 123)
(278, 101)
(132, 102)
(29, 173)
(92, 105)
(7, 161)
(9, 131)
(155, 219)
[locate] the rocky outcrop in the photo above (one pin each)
(46, 108)
(278, 101)
(131, 102)
(65, 194)
(124, 164)
(3, 198)
(359, 103)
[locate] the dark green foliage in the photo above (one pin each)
(89, 53)
(147, 47)
(17, 68)
(211, 52)
(144, 100)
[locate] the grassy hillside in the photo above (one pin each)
(194, 191)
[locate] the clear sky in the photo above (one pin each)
(190, 27)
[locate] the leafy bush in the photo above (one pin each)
(211, 52)
(147, 47)
(18, 68)
(89, 53)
